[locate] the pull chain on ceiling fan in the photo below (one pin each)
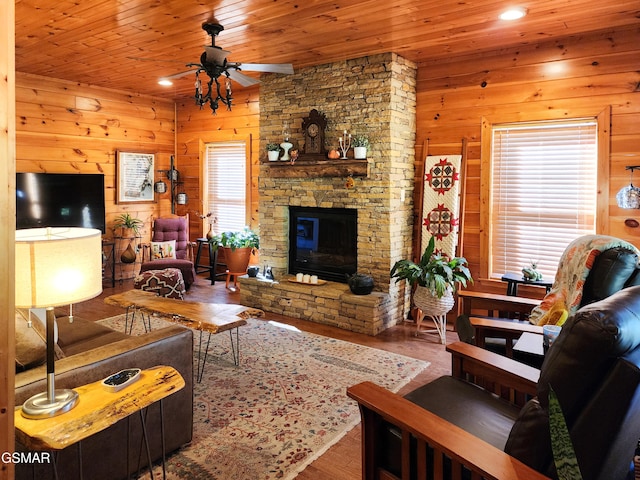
(213, 62)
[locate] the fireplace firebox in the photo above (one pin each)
(323, 242)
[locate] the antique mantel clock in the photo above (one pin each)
(313, 127)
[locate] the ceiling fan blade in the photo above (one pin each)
(180, 74)
(216, 54)
(242, 79)
(267, 67)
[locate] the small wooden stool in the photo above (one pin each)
(235, 279)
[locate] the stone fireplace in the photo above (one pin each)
(374, 96)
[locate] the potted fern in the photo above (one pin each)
(435, 279)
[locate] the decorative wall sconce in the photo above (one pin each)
(160, 187)
(629, 196)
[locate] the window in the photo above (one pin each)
(226, 181)
(543, 192)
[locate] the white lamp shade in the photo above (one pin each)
(57, 266)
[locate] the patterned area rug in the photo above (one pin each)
(282, 407)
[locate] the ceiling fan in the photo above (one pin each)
(213, 62)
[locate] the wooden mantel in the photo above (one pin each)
(318, 168)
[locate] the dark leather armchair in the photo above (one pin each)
(450, 427)
(608, 265)
(167, 229)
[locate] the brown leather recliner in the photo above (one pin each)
(594, 368)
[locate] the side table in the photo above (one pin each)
(514, 279)
(213, 260)
(97, 410)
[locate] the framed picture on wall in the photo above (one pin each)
(134, 177)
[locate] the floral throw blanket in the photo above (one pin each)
(566, 294)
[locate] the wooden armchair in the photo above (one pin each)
(451, 429)
(424, 434)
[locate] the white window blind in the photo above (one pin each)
(544, 182)
(226, 185)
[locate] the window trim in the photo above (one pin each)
(603, 119)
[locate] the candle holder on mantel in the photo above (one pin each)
(345, 144)
(286, 145)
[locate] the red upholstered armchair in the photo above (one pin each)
(170, 248)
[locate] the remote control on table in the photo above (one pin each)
(118, 381)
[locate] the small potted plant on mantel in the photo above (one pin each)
(360, 143)
(435, 279)
(237, 248)
(273, 152)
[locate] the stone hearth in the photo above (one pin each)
(374, 96)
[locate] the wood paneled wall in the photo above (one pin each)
(65, 127)
(7, 235)
(574, 77)
(196, 127)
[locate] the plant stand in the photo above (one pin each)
(434, 307)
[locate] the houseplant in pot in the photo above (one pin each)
(129, 227)
(273, 152)
(435, 279)
(360, 143)
(237, 247)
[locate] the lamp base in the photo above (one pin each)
(39, 405)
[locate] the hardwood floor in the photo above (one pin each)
(342, 461)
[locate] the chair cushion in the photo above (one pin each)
(165, 229)
(167, 283)
(468, 406)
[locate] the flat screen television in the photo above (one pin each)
(60, 200)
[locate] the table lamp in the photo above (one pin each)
(55, 266)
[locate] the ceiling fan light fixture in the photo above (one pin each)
(165, 82)
(514, 13)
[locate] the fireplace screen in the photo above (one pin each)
(323, 242)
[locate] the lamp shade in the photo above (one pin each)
(57, 266)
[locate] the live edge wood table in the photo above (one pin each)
(98, 409)
(204, 317)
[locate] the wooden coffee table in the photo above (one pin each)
(204, 317)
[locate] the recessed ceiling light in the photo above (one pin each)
(513, 13)
(165, 82)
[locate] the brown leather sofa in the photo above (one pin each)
(93, 352)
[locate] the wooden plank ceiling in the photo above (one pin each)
(129, 44)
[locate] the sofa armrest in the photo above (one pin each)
(378, 405)
(512, 380)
